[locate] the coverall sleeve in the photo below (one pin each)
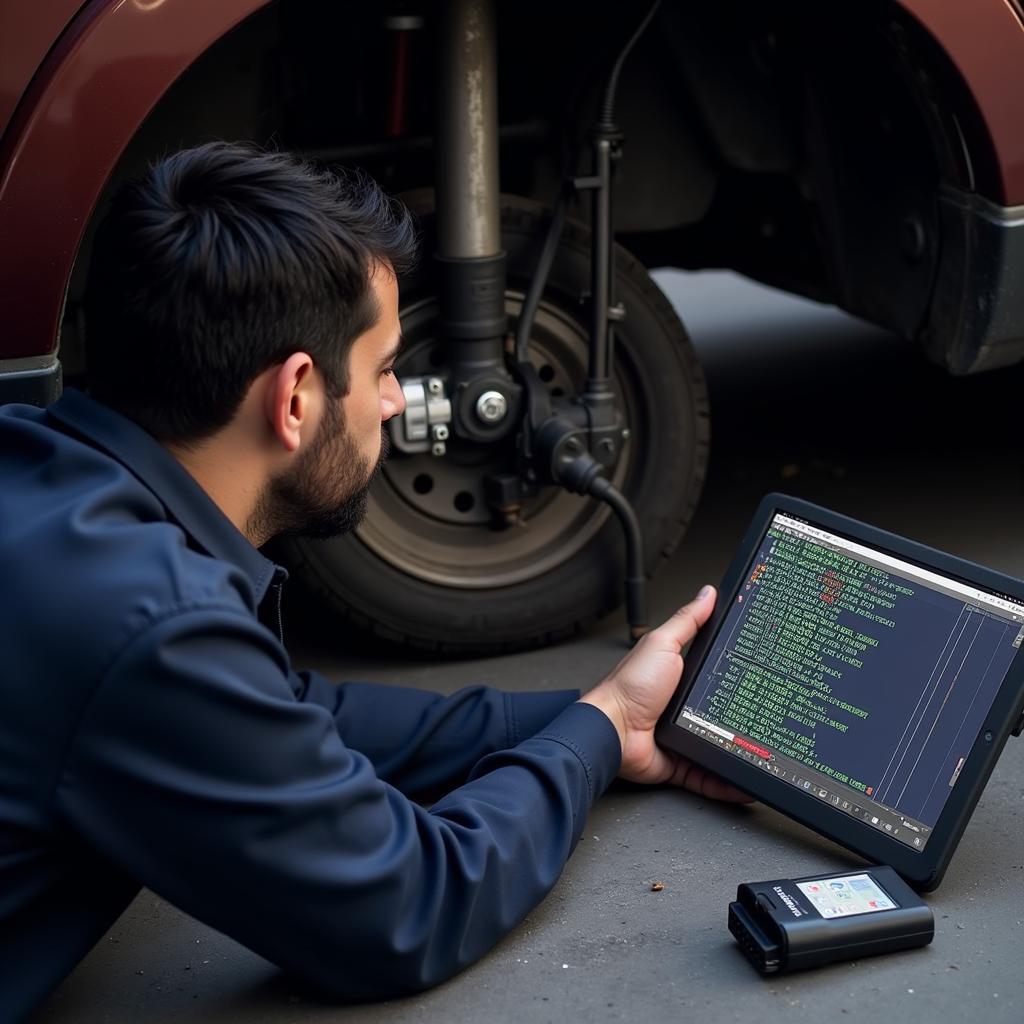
(422, 742)
(197, 771)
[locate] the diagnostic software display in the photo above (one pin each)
(854, 675)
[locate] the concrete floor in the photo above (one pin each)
(803, 400)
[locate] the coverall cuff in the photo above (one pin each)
(589, 733)
(528, 713)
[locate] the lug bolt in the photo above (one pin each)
(492, 407)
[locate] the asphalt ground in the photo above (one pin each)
(804, 400)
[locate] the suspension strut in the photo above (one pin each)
(469, 263)
(570, 444)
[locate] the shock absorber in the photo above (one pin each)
(469, 261)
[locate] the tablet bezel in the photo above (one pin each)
(923, 868)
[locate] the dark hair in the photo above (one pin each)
(222, 261)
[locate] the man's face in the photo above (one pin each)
(324, 493)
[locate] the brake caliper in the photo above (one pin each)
(425, 424)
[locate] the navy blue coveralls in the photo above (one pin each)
(153, 733)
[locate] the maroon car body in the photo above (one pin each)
(80, 80)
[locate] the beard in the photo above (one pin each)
(325, 493)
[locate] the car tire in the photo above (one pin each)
(435, 578)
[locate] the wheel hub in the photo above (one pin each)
(429, 516)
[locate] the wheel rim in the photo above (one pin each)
(427, 516)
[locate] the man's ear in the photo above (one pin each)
(293, 400)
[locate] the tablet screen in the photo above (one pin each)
(855, 675)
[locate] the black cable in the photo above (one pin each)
(547, 257)
(636, 582)
(582, 474)
(540, 277)
(606, 121)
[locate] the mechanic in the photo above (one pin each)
(242, 327)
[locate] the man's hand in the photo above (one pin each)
(636, 693)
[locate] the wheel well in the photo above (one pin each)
(766, 138)
(819, 148)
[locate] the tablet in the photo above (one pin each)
(858, 682)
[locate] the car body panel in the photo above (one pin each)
(112, 64)
(983, 39)
(95, 88)
(27, 33)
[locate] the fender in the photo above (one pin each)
(983, 40)
(27, 34)
(96, 87)
(117, 58)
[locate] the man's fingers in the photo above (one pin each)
(718, 789)
(683, 625)
(704, 783)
